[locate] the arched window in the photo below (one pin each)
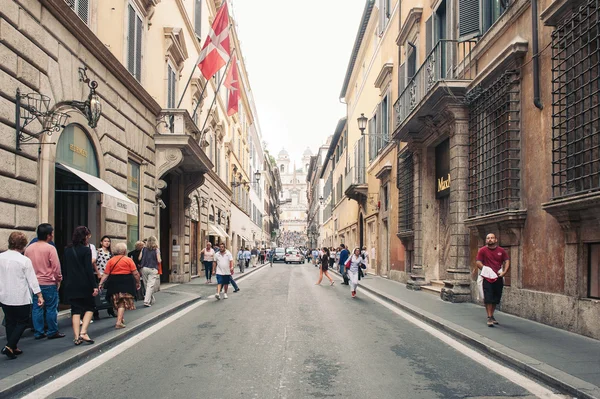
(282, 168)
(211, 215)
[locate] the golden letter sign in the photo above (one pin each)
(443, 184)
(78, 150)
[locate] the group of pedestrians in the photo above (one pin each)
(350, 266)
(31, 277)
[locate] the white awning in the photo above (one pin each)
(112, 198)
(216, 230)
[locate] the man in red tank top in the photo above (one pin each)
(496, 258)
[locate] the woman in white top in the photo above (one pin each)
(209, 257)
(17, 283)
(353, 264)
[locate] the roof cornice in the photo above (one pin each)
(357, 43)
(336, 137)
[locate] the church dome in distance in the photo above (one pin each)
(307, 152)
(283, 153)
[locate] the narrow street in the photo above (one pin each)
(283, 337)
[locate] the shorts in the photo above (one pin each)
(223, 279)
(492, 292)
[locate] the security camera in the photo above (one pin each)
(162, 204)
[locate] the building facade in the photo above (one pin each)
(294, 203)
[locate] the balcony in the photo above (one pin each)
(355, 183)
(445, 75)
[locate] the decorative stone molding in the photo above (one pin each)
(176, 49)
(385, 76)
(412, 19)
(191, 182)
(167, 159)
(147, 7)
(507, 224)
(507, 59)
(559, 9)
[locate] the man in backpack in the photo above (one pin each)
(344, 254)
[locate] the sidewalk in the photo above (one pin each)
(45, 358)
(565, 360)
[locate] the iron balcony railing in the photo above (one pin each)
(448, 60)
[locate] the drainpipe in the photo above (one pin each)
(536, 60)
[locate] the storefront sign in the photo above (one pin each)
(442, 169)
(78, 150)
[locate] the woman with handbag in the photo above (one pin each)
(123, 282)
(150, 261)
(354, 263)
(80, 284)
(323, 269)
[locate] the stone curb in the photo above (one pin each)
(39, 373)
(535, 368)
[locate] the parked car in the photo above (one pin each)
(279, 255)
(294, 257)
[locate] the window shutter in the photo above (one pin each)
(138, 49)
(198, 18)
(469, 20)
(83, 7)
(131, 41)
(401, 78)
(428, 36)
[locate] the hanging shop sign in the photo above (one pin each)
(442, 169)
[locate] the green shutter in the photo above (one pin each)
(428, 36)
(469, 20)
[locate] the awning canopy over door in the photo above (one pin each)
(112, 198)
(216, 230)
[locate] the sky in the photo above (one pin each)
(296, 53)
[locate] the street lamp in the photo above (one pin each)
(321, 200)
(362, 123)
(257, 176)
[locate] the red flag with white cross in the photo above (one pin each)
(216, 50)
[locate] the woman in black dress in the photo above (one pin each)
(324, 267)
(80, 284)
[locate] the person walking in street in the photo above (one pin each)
(253, 256)
(241, 260)
(223, 268)
(344, 254)
(123, 282)
(353, 264)
(247, 256)
(104, 254)
(494, 263)
(323, 270)
(81, 285)
(46, 264)
(150, 258)
(208, 254)
(17, 282)
(315, 255)
(135, 255)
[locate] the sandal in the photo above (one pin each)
(120, 325)
(88, 340)
(9, 353)
(17, 351)
(77, 341)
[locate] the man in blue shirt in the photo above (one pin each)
(247, 256)
(344, 254)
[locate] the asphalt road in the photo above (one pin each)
(283, 337)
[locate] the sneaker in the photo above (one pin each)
(353, 294)
(224, 295)
(494, 320)
(490, 322)
(236, 290)
(217, 296)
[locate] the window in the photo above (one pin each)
(373, 137)
(385, 12)
(385, 197)
(133, 193)
(405, 191)
(494, 146)
(576, 103)
(475, 17)
(81, 8)
(134, 43)
(198, 19)
(171, 86)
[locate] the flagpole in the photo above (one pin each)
(213, 102)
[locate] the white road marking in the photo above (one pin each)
(98, 361)
(514, 377)
(73, 375)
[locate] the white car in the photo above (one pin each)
(294, 256)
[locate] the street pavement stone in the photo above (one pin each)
(576, 356)
(284, 337)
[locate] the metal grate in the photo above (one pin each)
(405, 191)
(576, 103)
(494, 146)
